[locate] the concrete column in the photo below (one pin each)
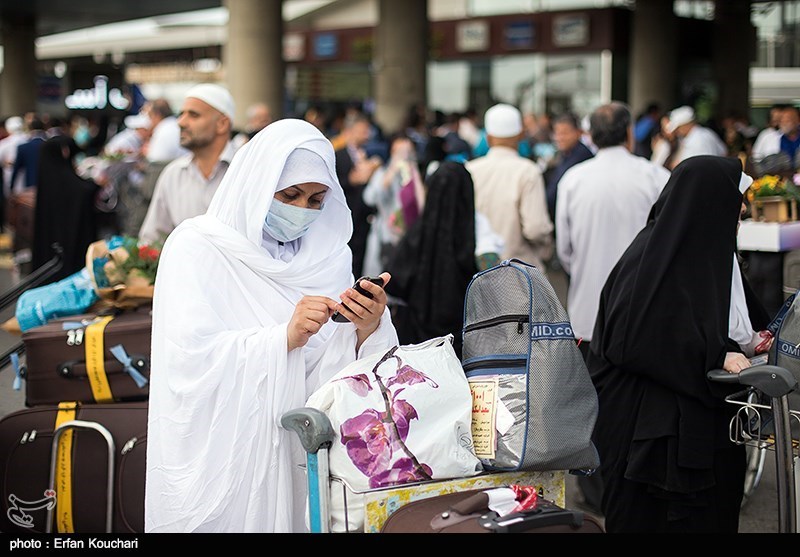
(400, 60)
(18, 78)
(654, 56)
(733, 52)
(253, 56)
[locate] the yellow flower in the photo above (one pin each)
(767, 186)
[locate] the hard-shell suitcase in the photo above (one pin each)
(89, 358)
(467, 512)
(84, 475)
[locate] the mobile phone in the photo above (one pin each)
(338, 317)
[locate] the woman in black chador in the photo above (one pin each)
(65, 211)
(435, 260)
(675, 306)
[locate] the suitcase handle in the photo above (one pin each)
(539, 518)
(74, 369)
(81, 424)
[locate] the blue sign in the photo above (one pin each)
(519, 34)
(326, 45)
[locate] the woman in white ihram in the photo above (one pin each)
(242, 333)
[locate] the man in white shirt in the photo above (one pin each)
(186, 185)
(768, 141)
(603, 203)
(785, 141)
(8, 149)
(510, 192)
(258, 118)
(131, 140)
(165, 138)
(693, 139)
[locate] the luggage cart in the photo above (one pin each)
(109, 439)
(769, 427)
(316, 436)
(38, 277)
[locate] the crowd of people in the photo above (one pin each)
(266, 228)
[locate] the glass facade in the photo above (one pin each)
(778, 30)
(534, 82)
(513, 65)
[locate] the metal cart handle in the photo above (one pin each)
(94, 426)
(312, 426)
(773, 381)
(316, 435)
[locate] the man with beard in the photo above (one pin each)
(186, 185)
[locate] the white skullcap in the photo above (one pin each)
(503, 120)
(137, 121)
(215, 96)
(680, 116)
(745, 182)
(14, 124)
(304, 166)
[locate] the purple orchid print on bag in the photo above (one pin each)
(375, 440)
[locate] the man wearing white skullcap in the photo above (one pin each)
(509, 190)
(693, 139)
(242, 334)
(186, 185)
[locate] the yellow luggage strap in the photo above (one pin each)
(63, 481)
(95, 360)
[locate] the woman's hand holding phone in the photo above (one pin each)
(363, 304)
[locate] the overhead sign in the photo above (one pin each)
(571, 30)
(326, 45)
(519, 35)
(472, 36)
(294, 47)
(97, 98)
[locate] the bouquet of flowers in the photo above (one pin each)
(123, 271)
(772, 185)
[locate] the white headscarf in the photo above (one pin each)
(246, 193)
(217, 458)
(739, 327)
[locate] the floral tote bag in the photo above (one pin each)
(399, 417)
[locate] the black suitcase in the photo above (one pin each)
(107, 462)
(467, 512)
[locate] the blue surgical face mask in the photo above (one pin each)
(287, 223)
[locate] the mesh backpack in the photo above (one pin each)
(785, 352)
(534, 404)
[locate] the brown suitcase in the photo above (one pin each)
(55, 367)
(20, 217)
(26, 439)
(467, 512)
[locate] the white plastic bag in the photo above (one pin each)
(422, 387)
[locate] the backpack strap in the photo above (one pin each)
(775, 325)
